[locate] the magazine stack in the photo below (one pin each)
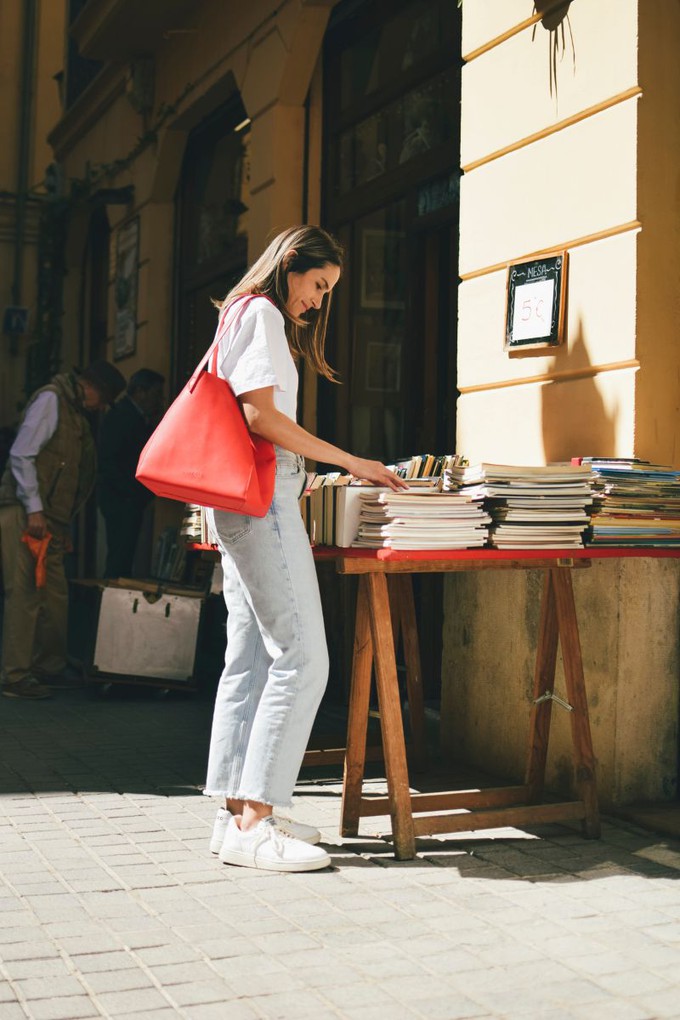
(635, 503)
(531, 507)
(421, 519)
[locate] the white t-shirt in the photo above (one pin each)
(254, 353)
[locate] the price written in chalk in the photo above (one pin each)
(533, 310)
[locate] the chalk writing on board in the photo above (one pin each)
(536, 300)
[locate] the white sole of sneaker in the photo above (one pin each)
(216, 844)
(247, 861)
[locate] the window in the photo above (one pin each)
(391, 110)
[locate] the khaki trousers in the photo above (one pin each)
(35, 622)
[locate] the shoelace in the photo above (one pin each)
(275, 834)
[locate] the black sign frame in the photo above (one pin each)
(535, 318)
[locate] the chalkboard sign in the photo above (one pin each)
(536, 303)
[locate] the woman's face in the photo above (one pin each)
(305, 290)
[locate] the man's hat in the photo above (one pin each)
(105, 378)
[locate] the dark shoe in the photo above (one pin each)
(27, 688)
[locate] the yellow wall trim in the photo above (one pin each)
(621, 228)
(559, 125)
(515, 30)
(590, 372)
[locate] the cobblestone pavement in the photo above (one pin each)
(112, 906)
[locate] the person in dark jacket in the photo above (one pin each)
(49, 475)
(122, 436)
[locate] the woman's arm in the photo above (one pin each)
(265, 420)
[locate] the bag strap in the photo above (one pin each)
(238, 306)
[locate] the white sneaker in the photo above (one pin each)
(307, 833)
(268, 847)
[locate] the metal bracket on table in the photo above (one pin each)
(551, 696)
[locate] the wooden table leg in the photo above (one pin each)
(544, 680)
(576, 693)
(357, 723)
(401, 586)
(390, 717)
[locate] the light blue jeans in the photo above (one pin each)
(276, 662)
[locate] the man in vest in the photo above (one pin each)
(50, 473)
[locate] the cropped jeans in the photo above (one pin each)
(276, 661)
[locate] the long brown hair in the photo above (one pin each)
(308, 247)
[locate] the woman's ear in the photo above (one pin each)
(290, 254)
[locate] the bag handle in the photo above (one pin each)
(239, 306)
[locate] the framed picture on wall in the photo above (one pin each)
(125, 290)
(383, 268)
(536, 303)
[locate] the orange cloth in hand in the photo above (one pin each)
(38, 547)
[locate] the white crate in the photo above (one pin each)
(147, 634)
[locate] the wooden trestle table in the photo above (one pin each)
(385, 604)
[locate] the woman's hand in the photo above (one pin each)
(375, 472)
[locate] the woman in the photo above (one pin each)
(276, 663)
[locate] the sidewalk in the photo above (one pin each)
(112, 906)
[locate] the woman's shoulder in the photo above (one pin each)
(249, 317)
(259, 305)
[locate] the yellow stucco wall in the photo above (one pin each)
(590, 168)
(49, 37)
(544, 173)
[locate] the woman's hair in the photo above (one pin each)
(311, 248)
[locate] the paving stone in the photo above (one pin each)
(172, 953)
(55, 967)
(7, 993)
(396, 1011)
(448, 1007)
(238, 1010)
(35, 948)
(64, 1008)
(168, 1013)
(662, 1003)
(177, 973)
(118, 980)
(617, 1009)
(635, 982)
(288, 1004)
(196, 992)
(288, 942)
(88, 963)
(13, 1011)
(134, 1000)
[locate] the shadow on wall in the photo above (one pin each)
(576, 422)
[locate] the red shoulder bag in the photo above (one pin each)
(202, 451)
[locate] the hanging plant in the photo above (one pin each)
(553, 20)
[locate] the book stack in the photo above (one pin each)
(635, 503)
(531, 507)
(193, 526)
(318, 505)
(426, 466)
(421, 519)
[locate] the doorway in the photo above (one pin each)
(212, 241)
(391, 195)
